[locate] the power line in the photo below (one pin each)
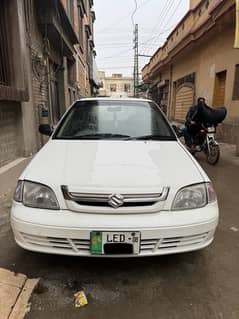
(124, 18)
(117, 67)
(122, 57)
(170, 18)
(156, 36)
(114, 45)
(135, 10)
(122, 31)
(120, 45)
(162, 15)
(118, 54)
(136, 60)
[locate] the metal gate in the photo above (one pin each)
(8, 133)
(184, 100)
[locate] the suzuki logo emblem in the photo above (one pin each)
(116, 200)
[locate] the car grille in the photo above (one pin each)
(59, 243)
(114, 200)
(146, 245)
(172, 242)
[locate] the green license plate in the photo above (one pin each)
(99, 239)
(96, 241)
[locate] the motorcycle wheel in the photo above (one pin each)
(213, 155)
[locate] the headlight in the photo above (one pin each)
(195, 196)
(18, 192)
(35, 195)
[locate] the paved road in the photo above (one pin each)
(199, 285)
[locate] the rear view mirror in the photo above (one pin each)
(45, 129)
(178, 131)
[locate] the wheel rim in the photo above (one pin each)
(213, 154)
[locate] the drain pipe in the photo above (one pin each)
(236, 46)
(170, 97)
(46, 52)
(236, 43)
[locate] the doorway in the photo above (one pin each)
(220, 89)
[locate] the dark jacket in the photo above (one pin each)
(194, 115)
(191, 114)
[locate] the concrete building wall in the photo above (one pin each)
(83, 87)
(210, 53)
(39, 54)
(194, 3)
(17, 116)
(213, 56)
(198, 14)
(37, 72)
(118, 80)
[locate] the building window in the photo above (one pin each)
(236, 84)
(86, 46)
(71, 72)
(113, 87)
(4, 45)
(81, 28)
(70, 10)
(127, 87)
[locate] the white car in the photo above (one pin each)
(113, 180)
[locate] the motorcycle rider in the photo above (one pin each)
(193, 123)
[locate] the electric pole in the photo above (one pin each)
(136, 60)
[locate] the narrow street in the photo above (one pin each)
(202, 284)
(99, 94)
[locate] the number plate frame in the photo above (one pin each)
(99, 238)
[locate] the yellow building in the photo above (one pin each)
(199, 59)
(117, 84)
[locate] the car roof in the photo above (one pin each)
(113, 99)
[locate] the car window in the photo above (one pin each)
(126, 118)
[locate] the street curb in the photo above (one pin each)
(11, 165)
(15, 292)
(21, 307)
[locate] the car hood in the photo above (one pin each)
(114, 166)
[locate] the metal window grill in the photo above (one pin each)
(4, 45)
(28, 11)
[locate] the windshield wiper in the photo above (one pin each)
(153, 137)
(97, 136)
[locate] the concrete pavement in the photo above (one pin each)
(15, 291)
(8, 179)
(199, 285)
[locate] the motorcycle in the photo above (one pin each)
(205, 142)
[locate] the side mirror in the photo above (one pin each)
(177, 130)
(45, 129)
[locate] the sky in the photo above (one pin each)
(114, 26)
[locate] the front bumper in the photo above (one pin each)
(68, 233)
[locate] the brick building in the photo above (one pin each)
(46, 62)
(199, 59)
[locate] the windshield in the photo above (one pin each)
(114, 120)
